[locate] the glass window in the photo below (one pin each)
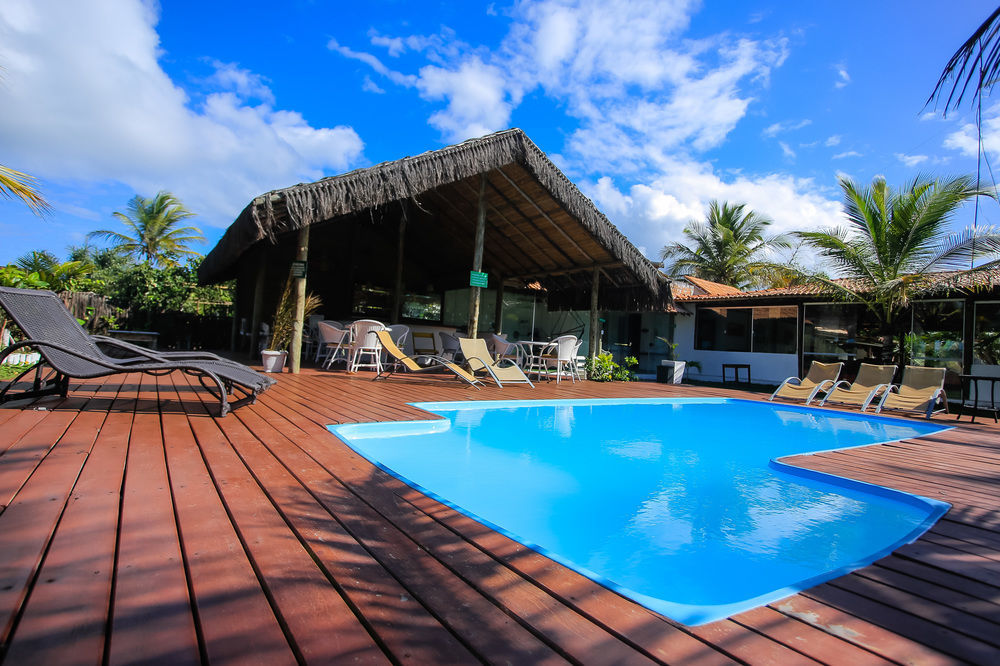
(774, 329)
(986, 345)
(371, 302)
(376, 303)
(418, 306)
(936, 338)
(723, 329)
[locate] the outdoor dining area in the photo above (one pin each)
(358, 346)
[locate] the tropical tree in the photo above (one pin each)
(155, 232)
(57, 275)
(730, 246)
(894, 241)
(976, 63)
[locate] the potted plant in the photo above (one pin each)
(673, 368)
(275, 354)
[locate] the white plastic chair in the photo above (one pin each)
(364, 343)
(561, 354)
(334, 342)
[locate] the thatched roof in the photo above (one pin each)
(539, 225)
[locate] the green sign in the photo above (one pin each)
(299, 269)
(477, 279)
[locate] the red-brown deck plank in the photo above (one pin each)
(65, 617)
(233, 532)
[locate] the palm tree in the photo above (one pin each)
(18, 185)
(895, 240)
(58, 275)
(978, 59)
(156, 236)
(729, 247)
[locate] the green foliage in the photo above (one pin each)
(728, 247)
(153, 231)
(144, 288)
(9, 371)
(602, 368)
(60, 275)
(14, 276)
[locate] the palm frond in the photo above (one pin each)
(19, 185)
(977, 60)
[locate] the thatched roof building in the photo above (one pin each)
(539, 228)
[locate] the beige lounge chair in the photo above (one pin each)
(821, 377)
(871, 381)
(477, 357)
(385, 337)
(920, 391)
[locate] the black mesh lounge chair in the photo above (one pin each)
(69, 352)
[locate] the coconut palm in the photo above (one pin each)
(156, 235)
(17, 185)
(976, 62)
(730, 247)
(58, 275)
(895, 240)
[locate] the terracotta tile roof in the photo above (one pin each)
(943, 281)
(712, 288)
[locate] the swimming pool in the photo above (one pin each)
(679, 504)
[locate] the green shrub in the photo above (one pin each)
(602, 368)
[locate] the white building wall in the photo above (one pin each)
(764, 368)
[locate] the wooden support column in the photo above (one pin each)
(595, 323)
(397, 292)
(477, 259)
(258, 305)
(301, 254)
(498, 312)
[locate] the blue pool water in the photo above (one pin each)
(678, 504)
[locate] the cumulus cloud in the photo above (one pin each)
(656, 212)
(832, 141)
(911, 160)
(966, 138)
(92, 104)
(846, 154)
(617, 66)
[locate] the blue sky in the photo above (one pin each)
(652, 108)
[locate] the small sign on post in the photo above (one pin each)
(477, 279)
(299, 269)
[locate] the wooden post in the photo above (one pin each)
(301, 254)
(397, 292)
(258, 304)
(477, 258)
(595, 323)
(234, 331)
(498, 311)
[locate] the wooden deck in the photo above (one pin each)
(135, 528)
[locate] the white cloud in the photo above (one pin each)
(786, 150)
(966, 138)
(475, 95)
(370, 86)
(619, 66)
(788, 126)
(845, 154)
(832, 141)
(654, 213)
(85, 99)
(843, 78)
(911, 160)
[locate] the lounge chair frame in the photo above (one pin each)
(401, 358)
(933, 397)
(487, 363)
(71, 353)
(874, 394)
(824, 385)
